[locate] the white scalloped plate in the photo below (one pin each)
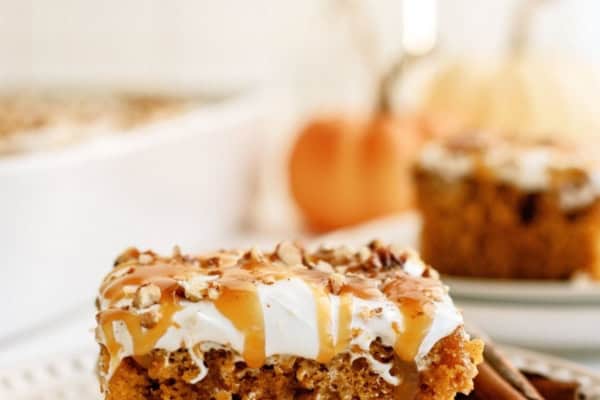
(579, 291)
(72, 377)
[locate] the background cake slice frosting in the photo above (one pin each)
(329, 324)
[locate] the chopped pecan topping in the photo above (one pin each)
(129, 254)
(146, 258)
(146, 296)
(255, 255)
(214, 291)
(119, 272)
(364, 253)
(195, 288)
(150, 318)
(227, 260)
(268, 279)
(323, 266)
(289, 253)
(336, 282)
(177, 252)
(200, 287)
(385, 257)
(398, 255)
(367, 313)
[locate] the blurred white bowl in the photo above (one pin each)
(66, 215)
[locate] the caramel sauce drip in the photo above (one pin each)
(326, 340)
(409, 375)
(242, 307)
(344, 323)
(414, 297)
(416, 326)
(143, 340)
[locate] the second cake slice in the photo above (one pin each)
(500, 207)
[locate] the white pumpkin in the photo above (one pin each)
(522, 95)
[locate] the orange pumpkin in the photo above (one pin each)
(344, 171)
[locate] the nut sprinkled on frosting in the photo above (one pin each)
(195, 288)
(268, 279)
(228, 260)
(323, 266)
(146, 296)
(150, 318)
(214, 290)
(289, 253)
(336, 282)
(176, 252)
(254, 254)
(363, 254)
(200, 287)
(145, 259)
(129, 254)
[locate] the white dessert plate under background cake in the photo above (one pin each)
(72, 377)
(548, 315)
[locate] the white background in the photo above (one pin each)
(230, 43)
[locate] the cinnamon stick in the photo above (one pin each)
(552, 389)
(489, 385)
(504, 368)
(509, 372)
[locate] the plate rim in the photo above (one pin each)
(530, 292)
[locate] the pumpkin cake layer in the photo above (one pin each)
(498, 207)
(289, 324)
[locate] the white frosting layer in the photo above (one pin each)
(444, 162)
(200, 322)
(291, 326)
(445, 320)
(290, 317)
(528, 168)
(377, 326)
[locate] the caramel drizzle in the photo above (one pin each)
(344, 323)
(409, 386)
(414, 299)
(143, 340)
(323, 309)
(416, 325)
(242, 307)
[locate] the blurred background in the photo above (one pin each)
(208, 123)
